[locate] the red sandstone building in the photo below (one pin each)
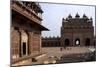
(51, 42)
(78, 31)
(25, 30)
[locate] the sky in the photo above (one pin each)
(53, 14)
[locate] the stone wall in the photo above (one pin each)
(77, 28)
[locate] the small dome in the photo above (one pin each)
(63, 19)
(84, 16)
(66, 19)
(69, 16)
(57, 36)
(77, 15)
(91, 18)
(49, 36)
(53, 36)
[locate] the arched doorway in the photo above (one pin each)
(77, 42)
(24, 48)
(24, 43)
(67, 43)
(87, 42)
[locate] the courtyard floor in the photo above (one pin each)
(53, 55)
(55, 51)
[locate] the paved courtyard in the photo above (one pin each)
(52, 55)
(55, 51)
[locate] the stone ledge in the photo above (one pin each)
(27, 59)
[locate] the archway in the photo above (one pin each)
(87, 42)
(24, 43)
(67, 43)
(24, 48)
(77, 42)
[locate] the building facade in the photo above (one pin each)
(51, 42)
(77, 31)
(25, 30)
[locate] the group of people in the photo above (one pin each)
(65, 48)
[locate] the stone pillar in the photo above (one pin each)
(15, 42)
(19, 43)
(40, 43)
(31, 45)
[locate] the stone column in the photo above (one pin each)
(30, 42)
(15, 42)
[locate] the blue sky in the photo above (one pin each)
(53, 14)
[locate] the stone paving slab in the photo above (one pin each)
(53, 53)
